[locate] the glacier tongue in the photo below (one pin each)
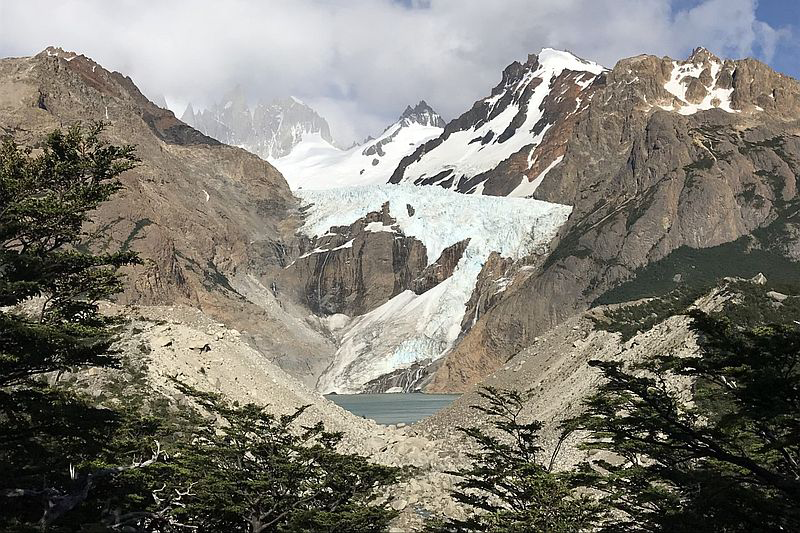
(411, 328)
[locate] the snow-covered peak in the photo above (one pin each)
(317, 164)
(509, 124)
(557, 61)
(188, 114)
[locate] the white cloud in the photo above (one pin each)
(363, 61)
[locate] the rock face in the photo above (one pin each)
(353, 269)
(268, 130)
(422, 114)
(441, 269)
(665, 154)
(212, 223)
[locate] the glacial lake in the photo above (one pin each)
(393, 408)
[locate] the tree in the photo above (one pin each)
(46, 196)
(508, 487)
(45, 200)
(705, 443)
(256, 472)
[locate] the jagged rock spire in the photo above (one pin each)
(423, 114)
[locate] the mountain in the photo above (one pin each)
(644, 171)
(267, 130)
(316, 164)
(213, 224)
(678, 173)
(653, 175)
(509, 140)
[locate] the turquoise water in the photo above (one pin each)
(393, 408)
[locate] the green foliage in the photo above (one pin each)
(258, 472)
(629, 319)
(701, 269)
(508, 487)
(706, 443)
(749, 305)
(45, 198)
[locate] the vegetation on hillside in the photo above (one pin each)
(709, 442)
(704, 443)
(511, 486)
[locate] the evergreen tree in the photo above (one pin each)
(705, 443)
(46, 196)
(45, 199)
(255, 473)
(508, 487)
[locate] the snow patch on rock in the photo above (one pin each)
(526, 188)
(716, 97)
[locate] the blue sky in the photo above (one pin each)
(783, 14)
(360, 62)
(779, 14)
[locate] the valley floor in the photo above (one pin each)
(182, 343)
(163, 344)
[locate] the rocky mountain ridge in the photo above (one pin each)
(649, 168)
(212, 223)
(494, 148)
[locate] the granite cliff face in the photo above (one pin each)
(666, 154)
(353, 269)
(269, 130)
(211, 222)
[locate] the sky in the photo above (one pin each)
(360, 62)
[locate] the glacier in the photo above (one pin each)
(413, 328)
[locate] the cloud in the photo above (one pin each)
(363, 61)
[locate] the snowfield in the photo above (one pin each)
(316, 164)
(410, 327)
